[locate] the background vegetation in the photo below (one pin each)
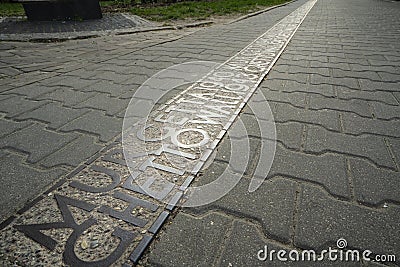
(165, 10)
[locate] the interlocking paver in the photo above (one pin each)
(103, 102)
(207, 233)
(7, 127)
(374, 185)
(386, 112)
(73, 153)
(395, 148)
(379, 96)
(328, 170)
(355, 124)
(277, 194)
(370, 147)
(328, 119)
(14, 193)
(297, 99)
(324, 220)
(97, 123)
(356, 106)
(66, 96)
(53, 114)
(30, 140)
(17, 105)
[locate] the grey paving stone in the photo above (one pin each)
(321, 89)
(371, 74)
(386, 112)
(290, 134)
(8, 127)
(395, 148)
(180, 244)
(9, 71)
(296, 98)
(21, 183)
(376, 65)
(73, 153)
(326, 118)
(54, 114)
(298, 77)
(110, 87)
(355, 124)
(323, 220)
(357, 106)
(32, 90)
(277, 194)
(397, 96)
(67, 96)
(70, 81)
(17, 105)
(110, 76)
(347, 82)
(327, 170)
(36, 141)
(224, 154)
(389, 77)
(370, 147)
(245, 242)
(252, 124)
(373, 185)
(382, 96)
(97, 123)
(103, 102)
(369, 85)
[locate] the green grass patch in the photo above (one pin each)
(202, 9)
(164, 11)
(11, 9)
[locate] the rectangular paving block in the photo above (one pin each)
(54, 114)
(394, 145)
(323, 220)
(372, 185)
(109, 87)
(370, 147)
(180, 244)
(17, 105)
(343, 81)
(246, 246)
(36, 141)
(276, 194)
(73, 153)
(32, 90)
(326, 118)
(66, 96)
(381, 96)
(386, 112)
(21, 183)
(354, 124)
(7, 126)
(368, 85)
(356, 106)
(297, 99)
(97, 123)
(327, 170)
(104, 102)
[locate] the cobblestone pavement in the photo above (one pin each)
(335, 97)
